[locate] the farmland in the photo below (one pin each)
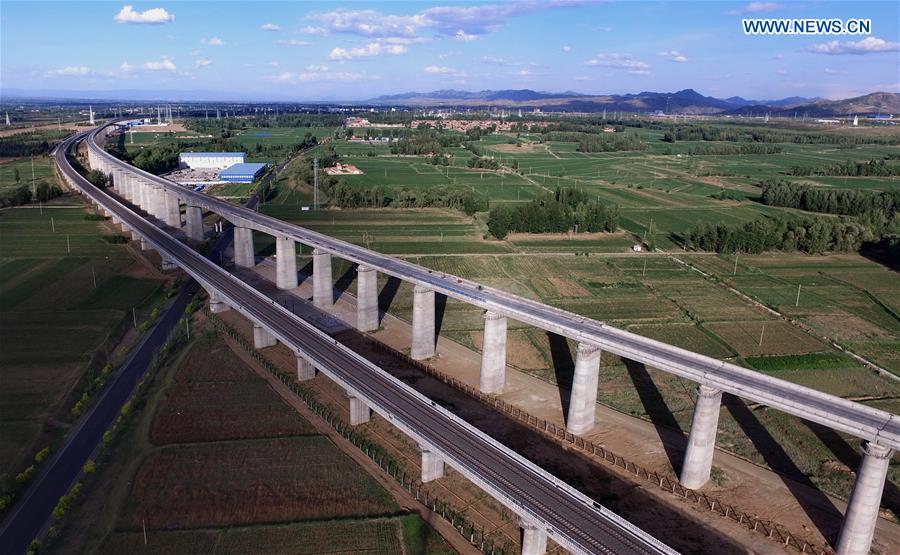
(217, 458)
(62, 284)
(706, 302)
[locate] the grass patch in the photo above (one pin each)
(811, 361)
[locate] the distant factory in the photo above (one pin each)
(209, 168)
(210, 160)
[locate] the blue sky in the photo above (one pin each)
(358, 50)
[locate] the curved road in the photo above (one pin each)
(570, 518)
(877, 426)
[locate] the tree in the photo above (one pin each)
(16, 174)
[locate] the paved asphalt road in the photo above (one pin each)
(33, 509)
(573, 520)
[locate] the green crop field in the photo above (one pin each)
(218, 461)
(53, 318)
(377, 536)
(43, 173)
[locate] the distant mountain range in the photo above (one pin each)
(687, 101)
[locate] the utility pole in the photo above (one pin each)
(94, 276)
(734, 272)
(52, 224)
(797, 302)
(68, 246)
(33, 184)
(316, 183)
(761, 333)
(134, 316)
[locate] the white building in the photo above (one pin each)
(210, 160)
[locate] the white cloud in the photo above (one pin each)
(625, 62)
(446, 55)
(202, 62)
(292, 42)
(495, 61)
(756, 7)
(465, 37)
(164, 64)
(458, 21)
(830, 71)
(603, 29)
(306, 77)
(782, 72)
(367, 51)
(69, 71)
(270, 27)
(273, 63)
(439, 69)
(310, 30)
(868, 45)
(443, 70)
(154, 16)
(674, 56)
(567, 48)
(524, 73)
(316, 67)
(214, 41)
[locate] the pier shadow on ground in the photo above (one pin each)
(851, 458)
(343, 282)
(388, 293)
(440, 307)
(563, 368)
(817, 506)
(661, 417)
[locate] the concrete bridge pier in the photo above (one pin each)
(172, 209)
(493, 354)
(305, 368)
(286, 263)
(323, 296)
(244, 253)
(359, 411)
(129, 187)
(432, 465)
(168, 264)
(145, 246)
(194, 224)
(216, 303)
(702, 440)
(262, 338)
(366, 298)
(423, 338)
(143, 196)
(534, 538)
(158, 203)
(862, 510)
(583, 401)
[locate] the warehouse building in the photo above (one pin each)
(242, 173)
(210, 160)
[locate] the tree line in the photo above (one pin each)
(696, 132)
(830, 201)
(604, 142)
(31, 143)
(813, 235)
(726, 149)
(851, 168)
(563, 210)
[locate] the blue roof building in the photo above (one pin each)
(242, 173)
